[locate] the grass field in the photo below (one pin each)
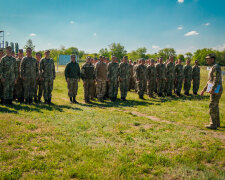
(163, 138)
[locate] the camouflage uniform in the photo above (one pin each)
(215, 78)
(9, 72)
(72, 75)
(187, 78)
(160, 75)
(88, 76)
(124, 76)
(170, 70)
(134, 77)
(47, 73)
(195, 78)
(179, 77)
(113, 73)
(141, 73)
(131, 83)
(151, 78)
(18, 88)
(101, 77)
(39, 88)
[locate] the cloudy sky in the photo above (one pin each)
(90, 25)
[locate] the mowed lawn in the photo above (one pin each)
(162, 138)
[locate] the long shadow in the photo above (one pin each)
(7, 110)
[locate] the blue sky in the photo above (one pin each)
(90, 25)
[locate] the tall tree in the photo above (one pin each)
(181, 57)
(166, 52)
(104, 52)
(189, 55)
(117, 50)
(29, 44)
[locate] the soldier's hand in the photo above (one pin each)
(138, 80)
(211, 92)
(202, 93)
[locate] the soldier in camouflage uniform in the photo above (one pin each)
(9, 74)
(39, 88)
(170, 71)
(1, 87)
(179, 77)
(113, 73)
(72, 75)
(101, 78)
(215, 78)
(141, 73)
(124, 77)
(160, 76)
(187, 77)
(47, 73)
(18, 89)
(151, 78)
(131, 83)
(196, 77)
(88, 77)
(134, 76)
(29, 74)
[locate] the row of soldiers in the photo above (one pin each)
(102, 78)
(26, 78)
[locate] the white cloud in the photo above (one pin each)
(7, 34)
(33, 34)
(72, 22)
(220, 47)
(207, 24)
(192, 33)
(179, 27)
(95, 34)
(155, 47)
(180, 1)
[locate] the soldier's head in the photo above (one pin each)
(1, 53)
(95, 60)
(47, 54)
(179, 61)
(113, 58)
(125, 59)
(176, 61)
(101, 58)
(188, 61)
(130, 61)
(9, 51)
(210, 59)
(160, 60)
(88, 59)
(152, 62)
(38, 56)
(29, 52)
(142, 61)
(171, 59)
(73, 58)
(196, 62)
(107, 60)
(20, 54)
(134, 63)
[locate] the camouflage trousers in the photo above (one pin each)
(187, 85)
(141, 84)
(88, 88)
(132, 83)
(1, 90)
(72, 85)
(151, 87)
(29, 87)
(169, 85)
(100, 89)
(179, 83)
(196, 82)
(48, 87)
(107, 90)
(113, 88)
(214, 109)
(8, 86)
(39, 88)
(124, 84)
(160, 86)
(18, 88)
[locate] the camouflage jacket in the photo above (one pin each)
(187, 72)
(113, 71)
(47, 69)
(87, 71)
(160, 71)
(8, 68)
(151, 73)
(72, 70)
(141, 72)
(101, 71)
(170, 70)
(29, 68)
(124, 71)
(195, 72)
(18, 62)
(179, 71)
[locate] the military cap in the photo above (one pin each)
(28, 49)
(20, 50)
(209, 56)
(38, 53)
(47, 51)
(72, 56)
(8, 48)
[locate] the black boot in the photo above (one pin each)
(74, 100)
(26, 101)
(46, 101)
(35, 100)
(71, 100)
(30, 100)
(50, 101)
(39, 99)
(10, 102)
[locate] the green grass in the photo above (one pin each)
(107, 141)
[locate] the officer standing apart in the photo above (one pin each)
(196, 77)
(88, 77)
(72, 75)
(29, 74)
(215, 79)
(47, 74)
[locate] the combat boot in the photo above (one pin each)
(71, 100)
(30, 100)
(211, 127)
(46, 101)
(26, 101)
(50, 101)
(74, 100)
(35, 100)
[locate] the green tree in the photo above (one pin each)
(200, 55)
(166, 52)
(104, 52)
(117, 50)
(180, 56)
(29, 44)
(189, 55)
